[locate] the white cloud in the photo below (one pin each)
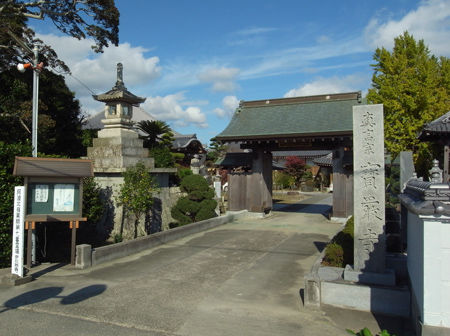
(296, 59)
(430, 22)
(98, 71)
(254, 36)
(221, 78)
(230, 103)
(323, 39)
(170, 108)
(355, 82)
(255, 31)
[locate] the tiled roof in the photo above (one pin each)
(437, 128)
(325, 161)
(119, 93)
(184, 140)
(288, 117)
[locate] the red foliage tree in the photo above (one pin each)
(295, 167)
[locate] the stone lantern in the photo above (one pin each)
(119, 103)
(118, 145)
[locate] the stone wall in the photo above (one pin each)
(116, 223)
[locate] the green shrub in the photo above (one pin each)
(334, 255)
(366, 332)
(198, 204)
(283, 180)
(163, 157)
(93, 209)
(183, 172)
(340, 250)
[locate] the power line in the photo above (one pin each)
(77, 79)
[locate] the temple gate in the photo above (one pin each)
(299, 123)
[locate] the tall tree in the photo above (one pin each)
(414, 87)
(59, 113)
(97, 19)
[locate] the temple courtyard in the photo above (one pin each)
(241, 278)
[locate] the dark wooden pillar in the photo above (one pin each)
(342, 186)
(74, 226)
(237, 191)
(259, 186)
(29, 226)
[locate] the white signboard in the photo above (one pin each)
(63, 197)
(41, 193)
(18, 231)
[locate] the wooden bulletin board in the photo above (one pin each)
(52, 198)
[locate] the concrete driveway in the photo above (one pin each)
(242, 278)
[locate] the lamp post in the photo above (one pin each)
(36, 70)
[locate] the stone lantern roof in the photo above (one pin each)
(119, 92)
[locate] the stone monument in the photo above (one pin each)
(369, 197)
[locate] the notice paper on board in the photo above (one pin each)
(41, 193)
(63, 197)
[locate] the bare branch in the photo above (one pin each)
(24, 125)
(39, 16)
(17, 117)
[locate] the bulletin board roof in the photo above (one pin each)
(53, 167)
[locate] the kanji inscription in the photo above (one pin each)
(368, 163)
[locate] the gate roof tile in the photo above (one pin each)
(290, 117)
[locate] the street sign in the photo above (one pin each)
(18, 231)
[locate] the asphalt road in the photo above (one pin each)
(242, 278)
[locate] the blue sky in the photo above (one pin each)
(194, 60)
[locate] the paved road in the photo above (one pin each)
(241, 278)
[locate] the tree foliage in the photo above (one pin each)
(296, 168)
(163, 157)
(7, 183)
(414, 87)
(93, 209)
(96, 19)
(198, 204)
(136, 193)
(60, 119)
(216, 150)
(158, 133)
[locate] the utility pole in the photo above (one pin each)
(34, 132)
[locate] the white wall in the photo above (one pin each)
(429, 267)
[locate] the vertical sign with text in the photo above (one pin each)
(368, 183)
(18, 231)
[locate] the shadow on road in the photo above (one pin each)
(49, 269)
(43, 294)
(322, 209)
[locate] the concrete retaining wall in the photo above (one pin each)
(111, 252)
(325, 285)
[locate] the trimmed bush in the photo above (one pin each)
(340, 250)
(197, 205)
